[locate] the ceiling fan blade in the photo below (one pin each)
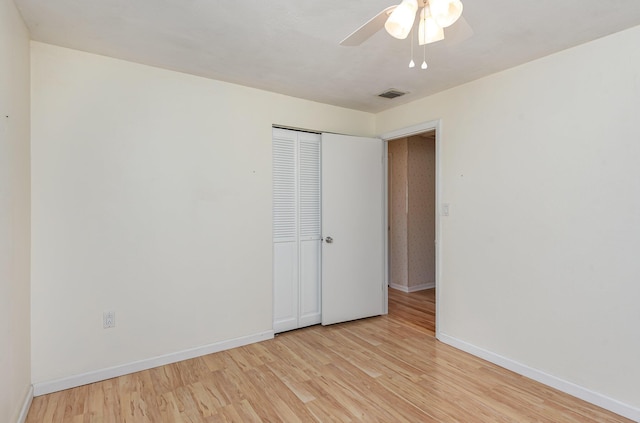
(363, 33)
(458, 32)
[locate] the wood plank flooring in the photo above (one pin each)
(382, 369)
(416, 310)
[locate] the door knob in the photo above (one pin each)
(329, 240)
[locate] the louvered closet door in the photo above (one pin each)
(296, 229)
(309, 224)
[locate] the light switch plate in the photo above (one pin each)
(109, 319)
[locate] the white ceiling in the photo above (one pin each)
(291, 46)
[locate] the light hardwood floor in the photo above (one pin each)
(382, 369)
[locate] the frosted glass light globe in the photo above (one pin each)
(445, 12)
(401, 19)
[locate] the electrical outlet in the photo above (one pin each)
(109, 319)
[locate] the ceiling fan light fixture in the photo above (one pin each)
(428, 31)
(445, 12)
(401, 19)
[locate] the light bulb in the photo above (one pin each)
(445, 12)
(412, 64)
(401, 19)
(424, 65)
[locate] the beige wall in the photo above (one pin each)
(15, 212)
(151, 197)
(540, 250)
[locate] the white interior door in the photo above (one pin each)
(353, 228)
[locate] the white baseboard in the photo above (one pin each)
(399, 287)
(422, 287)
(570, 388)
(408, 289)
(43, 388)
(26, 404)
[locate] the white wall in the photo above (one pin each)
(540, 251)
(15, 353)
(151, 196)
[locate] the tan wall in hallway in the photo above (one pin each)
(412, 213)
(398, 273)
(421, 225)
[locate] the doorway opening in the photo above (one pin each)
(411, 211)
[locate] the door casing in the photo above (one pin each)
(434, 125)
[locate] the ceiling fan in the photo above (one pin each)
(398, 20)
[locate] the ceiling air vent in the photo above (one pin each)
(391, 93)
